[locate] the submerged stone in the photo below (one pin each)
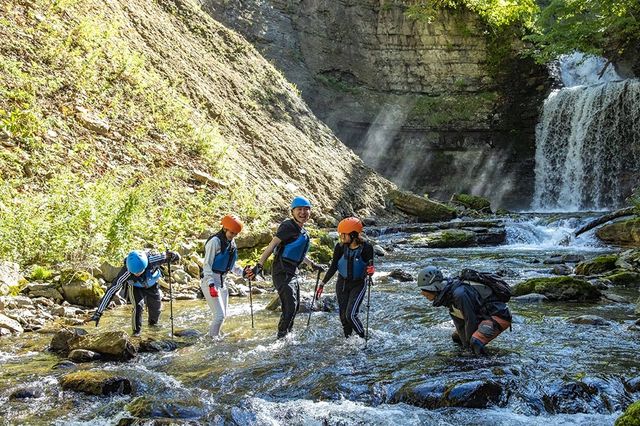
(476, 394)
(589, 320)
(625, 279)
(571, 398)
(26, 393)
(174, 408)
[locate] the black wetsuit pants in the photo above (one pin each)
(139, 296)
(350, 296)
(286, 283)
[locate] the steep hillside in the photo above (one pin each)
(140, 121)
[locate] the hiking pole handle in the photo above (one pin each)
(313, 299)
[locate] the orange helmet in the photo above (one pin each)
(232, 223)
(349, 225)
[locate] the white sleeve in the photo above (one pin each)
(210, 250)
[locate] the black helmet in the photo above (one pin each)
(431, 279)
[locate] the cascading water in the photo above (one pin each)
(588, 139)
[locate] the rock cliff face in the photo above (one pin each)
(413, 98)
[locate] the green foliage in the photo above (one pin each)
(590, 26)
(40, 273)
(453, 109)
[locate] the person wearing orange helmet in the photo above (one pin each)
(353, 260)
(220, 255)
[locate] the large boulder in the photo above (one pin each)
(431, 395)
(630, 260)
(445, 239)
(559, 289)
(110, 344)
(61, 340)
(109, 272)
(80, 288)
(631, 416)
(597, 265)
(253, 239)
(472, 202)
(625, 279)
(96, 383)
(48, 291)
(625, 233)
(423, 208)
(9, 276)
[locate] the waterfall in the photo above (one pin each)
(587, 140)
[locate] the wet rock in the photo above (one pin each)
(631, 416)
(530, 298)
(491, 237)
(625, 279)
(154, 407)
(10, 324)
(109, 272)
(448, 238)
(624, 233)
(253, 239)
(601, 283)
(157, 421)
(369, 221)
(476, 394)
(80, 288)
(557, 259)
(187, 333)
(614, 298)
(597, 265)
(83, 355)
(66, 364)
(60, 341)
(589, 320)
(152, 345)
(110, 344)
(559, 289)
(472, 202)
(632, 385)
(425, 209)
(401, 275)
(426, 395)
(96, 383)
(629, 260)
(378, 250)
(570, 398)
(562, 269)
(26, 393)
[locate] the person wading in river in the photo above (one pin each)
(139, 276)
(290, 245)
(220, 255)
(478, 315)
(353, 259)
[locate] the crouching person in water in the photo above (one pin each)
(139, 276)
(477, 314)
(220, 255)
(353, 259)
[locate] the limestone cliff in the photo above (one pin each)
(417, 100)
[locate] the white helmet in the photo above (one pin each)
(431, 279)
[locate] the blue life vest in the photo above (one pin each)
(352, 258)
(149, 278)
(296, 250)
(225, 259)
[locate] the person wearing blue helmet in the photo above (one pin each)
(139, 276)
(290, 245)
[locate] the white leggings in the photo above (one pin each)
(218, 306)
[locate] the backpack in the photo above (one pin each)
(500, 288)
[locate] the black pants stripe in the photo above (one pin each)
(350, 296)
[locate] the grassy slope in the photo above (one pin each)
(108, 108)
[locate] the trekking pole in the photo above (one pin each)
(251, 302)
(369, 284)
(170, 293)
(313, 299)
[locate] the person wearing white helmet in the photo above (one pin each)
(478, 315)
(139, 276)
(290, 245)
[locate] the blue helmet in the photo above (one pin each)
(137, 261)
(300, 202)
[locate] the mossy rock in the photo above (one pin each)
(625, 279)
(96, 383)
(151, 407)
(447, 238)
(559, 289)
(80, 288)
(597, 265)
(472, 202)
(631, 416)
(421, 207)
(111, 344)
(625, 233)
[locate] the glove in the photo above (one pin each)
(248, 273)
(318, 267)
(95, 317)
(173, 256)
(371, 270)
(256, 270)
(213, 291)
(319, 291)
